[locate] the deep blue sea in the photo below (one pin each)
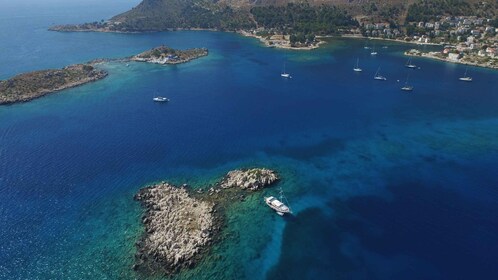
(384, 184)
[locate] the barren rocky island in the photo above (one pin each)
(181, 224)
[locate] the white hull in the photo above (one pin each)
(407, 88)
(465, 79)
(357, 69)
(380, 78)
(373, 53)
(277, 205)
(160, 99)
(285, 75)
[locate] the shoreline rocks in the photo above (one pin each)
(180, 224)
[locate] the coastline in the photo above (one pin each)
(431, 55)
(386, 39)
(271, 43)
(280, 43)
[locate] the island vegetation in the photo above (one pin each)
(166, 55)
(28, 86)
(180, 222)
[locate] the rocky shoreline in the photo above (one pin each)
(165, 55)
(181, 224)
(28, 86)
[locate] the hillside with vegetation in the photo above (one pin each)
(300, 19)
(430, 10)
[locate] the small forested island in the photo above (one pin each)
(28, 86)
(181, 223)
(166, 55)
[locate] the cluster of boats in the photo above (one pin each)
(409, 64)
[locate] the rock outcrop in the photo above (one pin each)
(177, 226)
(180, 224)
(251, 179)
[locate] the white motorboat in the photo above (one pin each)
(278, 204)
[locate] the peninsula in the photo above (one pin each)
(181, 223)
(28, 86)
(166, 55)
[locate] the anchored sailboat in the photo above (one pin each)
(378, 76)
(407, 87)
(465, 78)
(160, 99)
(285, 74)
(278, 204)
(409, 64)
(357, 67)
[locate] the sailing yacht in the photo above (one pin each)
(373, 51)
(465, 78)
(357, 68)
(410, 65)
(285, 74)
(378, 76)
(278, 204)
(160, 99)
(407, 87)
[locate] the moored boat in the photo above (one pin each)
(378, 76)
(465, 77)
(278, 204)
(284, 74)
(160, 99)
(357, 68)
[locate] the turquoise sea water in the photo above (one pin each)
(385, 184)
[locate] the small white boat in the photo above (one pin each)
(378, 76)
(407, 87)
(285, 74)
(160, 99)
(278, 205)
(357, 68)
(373, 53)
(409, 64)
(465, 78)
